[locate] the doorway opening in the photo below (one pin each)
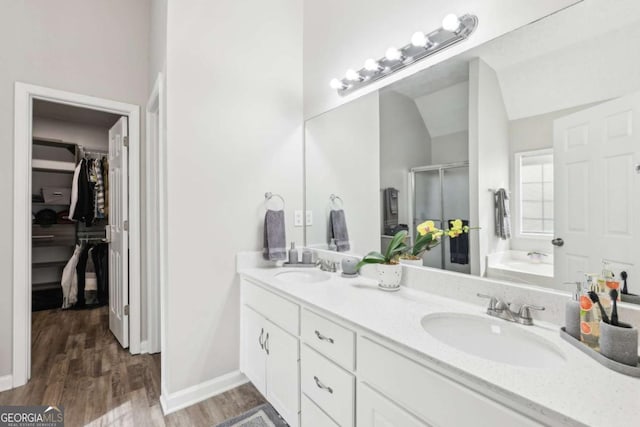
(76, 215)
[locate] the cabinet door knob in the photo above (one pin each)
(323, 338)
(322, 386)
(260, 338)
(266, 343)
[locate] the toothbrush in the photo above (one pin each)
(614, 312)
(596, 300)
(623, 276)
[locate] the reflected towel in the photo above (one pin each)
(459, 246)
(274, 236)
(503, 216)
(339, 233)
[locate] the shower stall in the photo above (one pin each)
(440, 193)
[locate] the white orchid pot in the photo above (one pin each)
(389, 276)
(414, 262)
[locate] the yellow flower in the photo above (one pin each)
(456, 224)
(438, 234)
(426, 227)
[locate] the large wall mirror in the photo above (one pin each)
(549, 113)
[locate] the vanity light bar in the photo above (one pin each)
(453, 30)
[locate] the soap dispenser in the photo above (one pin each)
(332, 245)
(572, 312)
(293, 254)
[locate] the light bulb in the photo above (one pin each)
(353, 75)
(336, 84)
(371, 65)
(451, 22)
(419, 39)
(393, 54)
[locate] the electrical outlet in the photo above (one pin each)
(297, 219)
(309, 218)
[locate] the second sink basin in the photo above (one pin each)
(302, 276)
(493, 339)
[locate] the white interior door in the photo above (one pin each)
(118, 229)
(597, 208)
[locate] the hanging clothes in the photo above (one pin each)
(99, 191)
(83, 210)
(93, 276)
(69, 280)
(105, 180)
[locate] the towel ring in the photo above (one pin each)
(333, 199)
(268, 196)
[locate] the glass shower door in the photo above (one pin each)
(455, 205)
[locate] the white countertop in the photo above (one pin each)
(580, 391)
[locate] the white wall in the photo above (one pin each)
(338, 144)
(97, 48)
(450, 148)
(488, 158)
(404, 143)
(366, 28)
(531, 87)
(234, 132)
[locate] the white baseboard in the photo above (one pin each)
(172, 402)
(6, 382)
(144, 347)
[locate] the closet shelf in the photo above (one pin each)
(58, 143)
(46, 264)
(45, 286)
(41, 165)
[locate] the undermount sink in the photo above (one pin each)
(302, 276)
(493, 339)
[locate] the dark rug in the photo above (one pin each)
(260, 416)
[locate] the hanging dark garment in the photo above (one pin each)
(85, 205)
(81, 270)
(100, 256)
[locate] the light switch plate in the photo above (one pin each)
(297, 218)
(309, 218)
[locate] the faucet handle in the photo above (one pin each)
(492, 301)
(524, 315)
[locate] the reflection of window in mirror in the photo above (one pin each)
(534, 193)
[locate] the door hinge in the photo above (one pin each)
(125, 225)
(125, 141)
(126, 310)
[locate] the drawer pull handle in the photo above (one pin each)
(44, 237)
(322, 386)
(260, 338)
(323, 338)
(266, 344)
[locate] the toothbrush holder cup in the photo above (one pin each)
(619, 343)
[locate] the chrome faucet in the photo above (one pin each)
(502, 310)
(327, 265)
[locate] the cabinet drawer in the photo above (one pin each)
(334, 341)
(436, 399)
(312, 416)
(328, 386)
(280, 311)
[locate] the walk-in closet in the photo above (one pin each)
(70, 206)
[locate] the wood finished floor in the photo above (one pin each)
(76, 362)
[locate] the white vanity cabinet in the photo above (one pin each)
(270, 355)
(317, 370)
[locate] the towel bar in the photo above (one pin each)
(268, 196)
(333, 199)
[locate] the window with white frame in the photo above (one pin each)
(534, 178)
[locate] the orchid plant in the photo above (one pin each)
(396, 247)
(429, 236)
